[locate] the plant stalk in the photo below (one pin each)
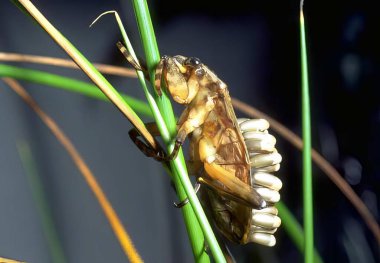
(180, 178)
(307, 161)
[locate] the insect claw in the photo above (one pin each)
(175, 151)
(181, 204)
(186, 200)
(160, 156)
(206, 248)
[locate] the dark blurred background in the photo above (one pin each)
(254, 47)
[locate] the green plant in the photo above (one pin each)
(152, 57)
(306, 154)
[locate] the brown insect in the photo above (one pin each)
(219, 157)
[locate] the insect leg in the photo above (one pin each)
(190, 120)
(248, 196)
(137, 64)
(184, 202)
(160, 70)
(159, 154)
(224, 181)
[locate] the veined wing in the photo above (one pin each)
(232, 152)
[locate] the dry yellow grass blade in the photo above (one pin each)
(90, 71)
(7, 260)
(116, 225)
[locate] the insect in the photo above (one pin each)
(219, 157)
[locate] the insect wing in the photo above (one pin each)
(232, 152)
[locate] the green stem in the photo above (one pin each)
(40, 199)
(193, 228)
(307, 161)
(69, 84)
(294, 230)
(196, 222)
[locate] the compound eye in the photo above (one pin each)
(192, 62)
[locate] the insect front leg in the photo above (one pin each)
(192, 118)
(160, 70)
(138, 64)
(157, 154)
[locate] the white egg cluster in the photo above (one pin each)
(264, 161)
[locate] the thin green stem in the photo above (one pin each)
(152, 103)
(40, 200)
(194, 231)
(294, 230)
(69, 84)
(198, 223)
(307, 161)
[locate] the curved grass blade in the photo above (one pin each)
(321, 162)
(116, 225)
(40, 199)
